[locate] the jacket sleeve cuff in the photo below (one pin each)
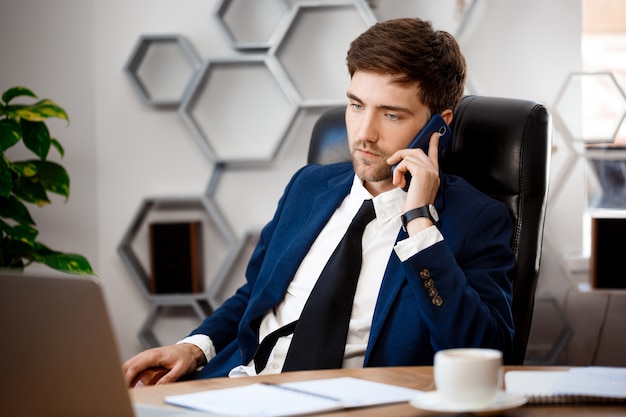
(203, 342)
(418, 242)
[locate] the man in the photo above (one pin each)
(424, 285)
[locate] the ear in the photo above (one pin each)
(447, 115)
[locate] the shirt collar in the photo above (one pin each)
(388, 205)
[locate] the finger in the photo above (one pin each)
(139, 363)
(174, 374)
(403, 168)
(398, 178)
(433, 148)
(171, 376)
(129, 378)
(395, 158)
(130, 374)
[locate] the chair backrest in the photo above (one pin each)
(501, 146)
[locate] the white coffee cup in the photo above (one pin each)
(468, 378)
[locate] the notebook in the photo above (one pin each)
(59, 354)
(578, 385)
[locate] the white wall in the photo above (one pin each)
(120, 151)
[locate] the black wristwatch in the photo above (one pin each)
(425, 211)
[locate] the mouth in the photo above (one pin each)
(367, 153)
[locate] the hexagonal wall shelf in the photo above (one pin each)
(316, 65)
(134, 250)
(241, 23)
(592, 106)
(239, 109)
(134, 247)
(160, 69)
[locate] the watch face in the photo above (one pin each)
(433, 213)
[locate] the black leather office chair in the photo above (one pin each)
(501, 146)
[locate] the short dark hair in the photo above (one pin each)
(417, 54)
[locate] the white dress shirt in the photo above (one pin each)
(378, 242)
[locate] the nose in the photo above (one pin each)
(367, 129)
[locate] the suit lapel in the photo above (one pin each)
(305, 231)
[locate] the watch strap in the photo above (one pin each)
(415, 214)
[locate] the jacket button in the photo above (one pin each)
(432, 292)
(429, 283)
(437, 300)
(425, 273)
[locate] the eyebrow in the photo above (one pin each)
(384, 107)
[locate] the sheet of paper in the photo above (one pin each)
(255, 400)
(354, 392)
(295, 398)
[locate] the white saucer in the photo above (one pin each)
(431, 401)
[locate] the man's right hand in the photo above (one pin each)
(180, 360)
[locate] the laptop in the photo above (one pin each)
(58, 354)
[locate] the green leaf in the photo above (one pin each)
(69, 262)
(17, 253)
(25, 168)
(13, 252)
(53, 177)
(36, 138)
(11, 93)
(12, 208)
(31, 191)
(6, 179)
(58, 147)
(10, 133)
(22, 233)
(35, 177)
(66, 262)
(40, 111)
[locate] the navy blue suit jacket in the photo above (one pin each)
(469, 269)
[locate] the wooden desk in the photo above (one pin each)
(412, 377)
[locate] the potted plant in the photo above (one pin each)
(29, 181)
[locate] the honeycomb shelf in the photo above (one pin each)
(160, 69)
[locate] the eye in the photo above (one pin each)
(392, 116)
(356, 106)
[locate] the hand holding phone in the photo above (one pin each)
(422, 140)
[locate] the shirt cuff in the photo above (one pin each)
(417, 242)
(203, 342)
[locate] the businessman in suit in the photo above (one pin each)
(434, 260)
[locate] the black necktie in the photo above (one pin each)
(319, 339)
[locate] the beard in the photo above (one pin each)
(369, 170)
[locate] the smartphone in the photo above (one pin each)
(422, 139)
